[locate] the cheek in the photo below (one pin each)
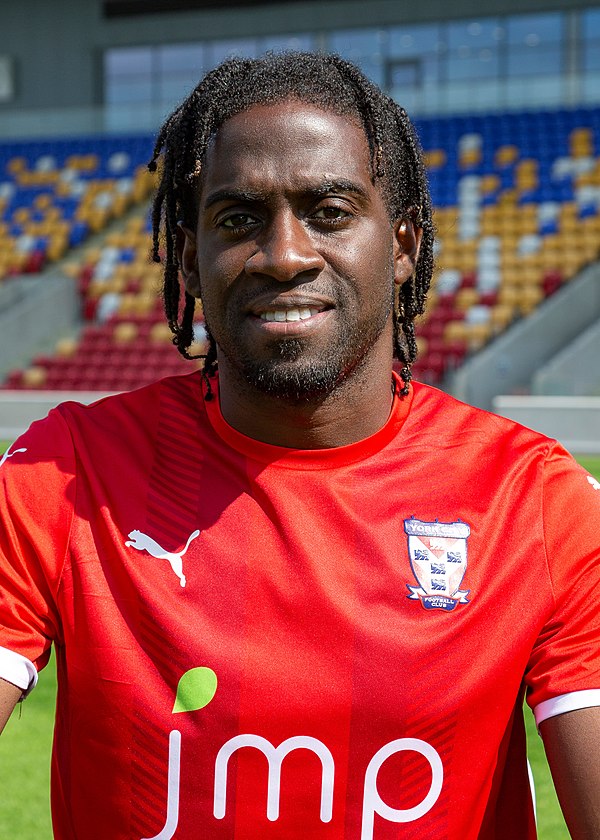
(215, 265)
(217, 273)
(371, 253)
(373, 264)
(218, 258)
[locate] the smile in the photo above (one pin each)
(301, 313)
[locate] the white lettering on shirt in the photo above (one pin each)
(274, 756)
(372, 801)
(170, 825)
(374, 804)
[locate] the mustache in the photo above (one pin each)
(245, 297)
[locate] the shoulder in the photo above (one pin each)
(126, 420)
(182, 392)
(116, 424)
(480, 444)
(452, 420)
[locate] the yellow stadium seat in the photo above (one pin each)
(581, 143)
(34, 377)
(144, 303)
(125, 332)
(508, 295)
(466, 298)
(43, 201)
(16, 165)
(422, 345)
(16, 261)
(478, 335)
(506, 155)
(21, 215)
(469, 157)
(435, 158)
(66, 347)
(432, 300)
(160, 333)
(455, 331)
(136, 224)
(527, 165)
(530, 297)
(488, 227)
(501, 316)
(466, 260)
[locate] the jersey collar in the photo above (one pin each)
(310, 459)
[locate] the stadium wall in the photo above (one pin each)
(574, 421)
(56, 49)
(34, 312)
(19, 409)
(508, 364)
(575, 370)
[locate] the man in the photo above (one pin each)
(300, 597)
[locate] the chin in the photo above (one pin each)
(300, 380)
(296, 382)
(297, 371)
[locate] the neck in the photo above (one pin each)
(357, 408)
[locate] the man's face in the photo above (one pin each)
(294, 255)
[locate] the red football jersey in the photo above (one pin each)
(256, 642)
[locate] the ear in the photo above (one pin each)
(188, 259)
(407, 242)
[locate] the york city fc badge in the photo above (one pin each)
(438, 559)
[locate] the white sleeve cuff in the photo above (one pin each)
(18, 670)
(567, 703)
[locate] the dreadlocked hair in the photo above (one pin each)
(326, 81)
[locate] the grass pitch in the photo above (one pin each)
(26, 743)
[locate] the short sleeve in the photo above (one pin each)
(564, 668)
(37, 487)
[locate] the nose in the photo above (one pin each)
(285, 250)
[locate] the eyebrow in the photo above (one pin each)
(234, 195)
(339, 186)
(250, 196)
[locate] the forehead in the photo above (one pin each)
(287, 143)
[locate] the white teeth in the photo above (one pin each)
(300, 314)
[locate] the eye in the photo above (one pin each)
(332, 214)
(237, 221)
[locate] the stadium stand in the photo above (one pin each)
(54, 194)
(517, 198)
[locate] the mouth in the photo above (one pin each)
(296, 313)
(290, 315)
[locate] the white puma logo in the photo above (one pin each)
(9, 454)
(142, 542)
(595, 484)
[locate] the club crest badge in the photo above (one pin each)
(438, 559)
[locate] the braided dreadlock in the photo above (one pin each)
(335, 85)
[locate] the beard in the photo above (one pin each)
(292, 377)
(295, 371)
(296, 374)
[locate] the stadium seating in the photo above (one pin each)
(54, 194)
(517, 200)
